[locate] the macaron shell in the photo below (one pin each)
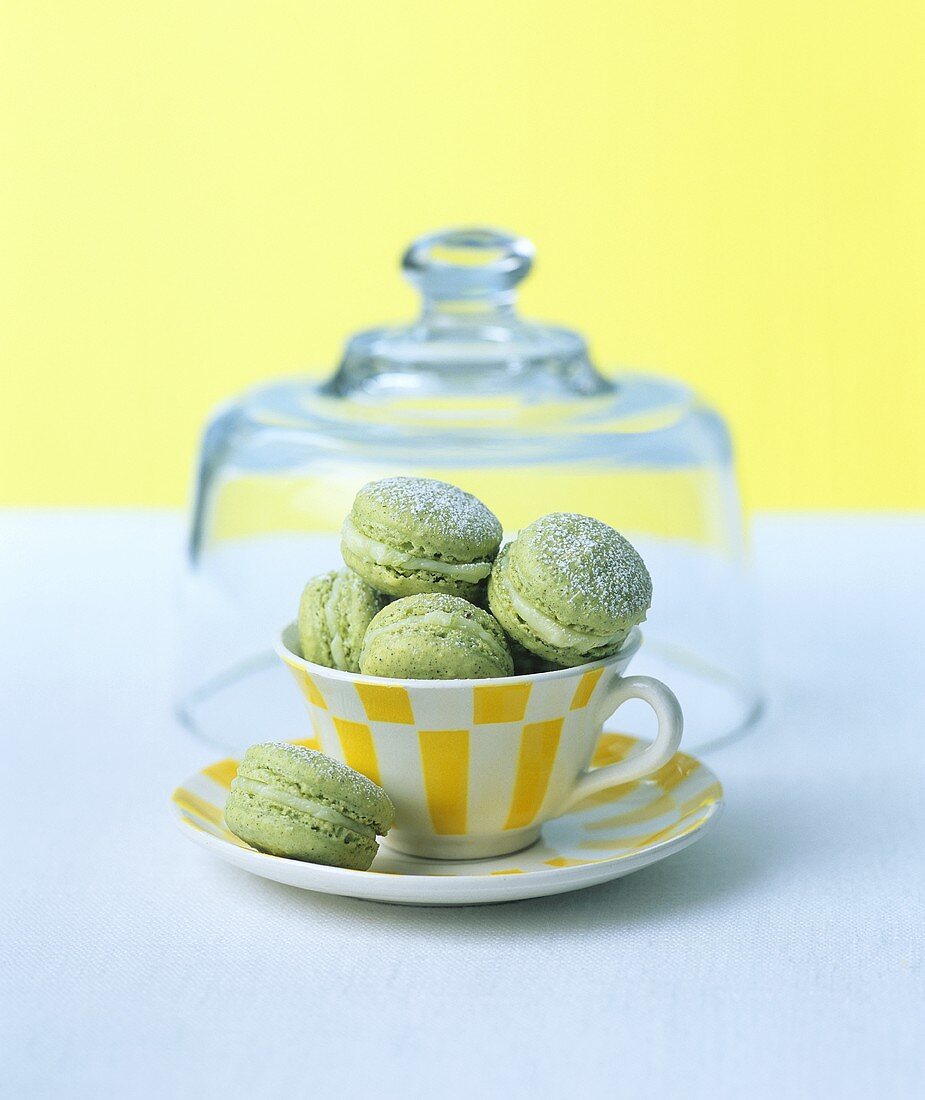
(312, 775)
(435, 637)
(427, 516)
(282, 831)
(421, 654)
(580, 572)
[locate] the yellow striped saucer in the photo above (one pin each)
(610, 834)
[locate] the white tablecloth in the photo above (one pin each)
(781, 956)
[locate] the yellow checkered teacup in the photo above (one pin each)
(475, 767)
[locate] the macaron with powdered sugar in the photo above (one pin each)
(410, 535)
(569, 588)
(292, 801)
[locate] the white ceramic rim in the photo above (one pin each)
(284, 650)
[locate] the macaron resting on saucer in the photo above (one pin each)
(569, 588)
(334, 612)
(431, 636)
(288, 800)
(620, 831)
(407, 535)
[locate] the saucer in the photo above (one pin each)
(608, 835)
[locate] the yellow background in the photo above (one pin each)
(195, 196)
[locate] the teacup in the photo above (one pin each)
(476, 767)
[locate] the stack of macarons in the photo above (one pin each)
(428, 592)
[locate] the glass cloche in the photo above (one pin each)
(510, 410)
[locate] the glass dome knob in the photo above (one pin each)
(468, 264)
(468, 337)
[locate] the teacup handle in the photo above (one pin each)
(670, 726)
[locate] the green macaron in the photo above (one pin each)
(435, 637)
(334, 612)
(291, 801)
(569, 588)
(407, 535)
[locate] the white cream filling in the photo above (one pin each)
(444, 620)
(365, 547)
(304, 805)
(551, 632)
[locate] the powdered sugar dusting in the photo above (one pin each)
(593, 562)
(428, 501)
(348, 784)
